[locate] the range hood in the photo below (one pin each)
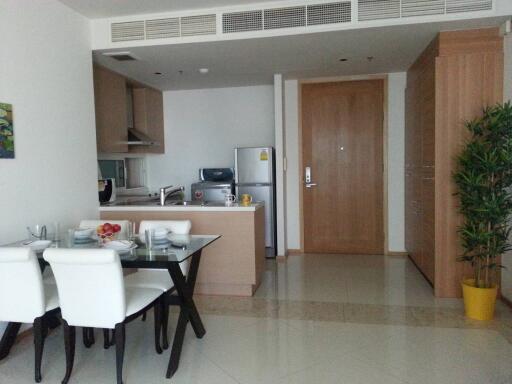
(136, 137)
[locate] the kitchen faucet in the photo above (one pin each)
(165, 192)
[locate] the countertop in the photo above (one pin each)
(137, 207)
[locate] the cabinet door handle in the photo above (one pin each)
(309, 185)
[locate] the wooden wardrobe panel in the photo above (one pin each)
(464, 85)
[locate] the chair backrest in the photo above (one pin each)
(90, 285)
(21, 286)
(179, 227)
(125, 224)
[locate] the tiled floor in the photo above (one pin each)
(315, 319)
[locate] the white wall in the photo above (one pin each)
(396, 161)
(293, 177)
(396, 126)
(46, 73)
(202, 127)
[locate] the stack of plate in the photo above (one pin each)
(84, 235)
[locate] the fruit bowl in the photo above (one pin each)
(108, 232)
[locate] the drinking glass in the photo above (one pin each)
(56, 228)
(71, 237)
(38, 231)
(149, 235)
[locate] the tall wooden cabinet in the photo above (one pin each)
(456, 76)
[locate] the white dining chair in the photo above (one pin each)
(24, 298)
(160, 278)
(93, 224)
(93, 295)
(88, 333)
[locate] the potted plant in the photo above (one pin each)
(483, 178)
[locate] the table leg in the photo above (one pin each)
(188, 311)
(8, 339)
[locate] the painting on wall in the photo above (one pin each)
(6, 132)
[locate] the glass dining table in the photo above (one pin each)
(168, 255)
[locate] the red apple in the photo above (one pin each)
(116, 228)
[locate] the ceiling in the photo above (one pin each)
(95, 9)
(254, 61)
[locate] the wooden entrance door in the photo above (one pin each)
(342, 145)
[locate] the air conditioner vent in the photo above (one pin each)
(329, 13)
(289, 17)
(422, 7)
(378, 9)
(455, 6)
(163, 28)
(242, 21)
(199, 25)
(127, 31)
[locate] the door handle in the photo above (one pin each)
(309, 185)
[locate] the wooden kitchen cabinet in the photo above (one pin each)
(148, 117)
(111, 111)
(457, 75)
(120, 103)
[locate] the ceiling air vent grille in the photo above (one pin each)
(127, 31)
(242, 21)
(455, 6)
(199, 25)
(163, 28)
(288, 17)
(378, 9)
(330, 13)
(422, 7)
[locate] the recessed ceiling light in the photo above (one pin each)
(203, 71)
(343, 60)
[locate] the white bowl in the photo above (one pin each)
(160, 233)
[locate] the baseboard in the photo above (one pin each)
(281, 259)
(397, 254)
(292, 252)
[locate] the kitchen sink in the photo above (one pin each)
(186, 203)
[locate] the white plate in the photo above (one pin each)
(120, 246)
(38, 245)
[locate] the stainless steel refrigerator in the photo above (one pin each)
(255, 175)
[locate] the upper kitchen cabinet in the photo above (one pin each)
(111, 111)
(148, 119)
(129, 115)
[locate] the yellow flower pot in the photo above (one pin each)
(479, 303)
